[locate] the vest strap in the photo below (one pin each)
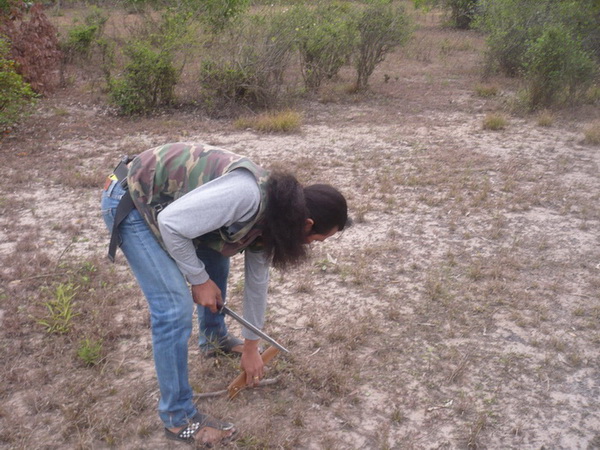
(124, 207)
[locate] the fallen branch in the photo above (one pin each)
(261, 383)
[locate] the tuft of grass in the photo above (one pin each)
(486, 90)
(61, 312)
(495, 122)
(545, 119)
(90, 351)
(592, 133)
(287, 121)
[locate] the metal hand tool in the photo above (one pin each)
(225, 310)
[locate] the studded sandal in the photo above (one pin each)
(198, 422)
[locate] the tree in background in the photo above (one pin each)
(33, 43)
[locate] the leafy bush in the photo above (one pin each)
(381, 27)
(510, 26)
(149, 80)
(15, 94)
(219, 13)
(81, 37)
(557, 68)
(247, 68)
(34, 43)
(325, 38)
(462, 12)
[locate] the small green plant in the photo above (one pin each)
(495, 122)
(15, 94)
(592, 133)
(287, 121)
(60, 310)
(90, 351)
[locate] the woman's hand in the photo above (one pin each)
(252, 363)
(207, 294)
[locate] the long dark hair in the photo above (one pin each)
(289, 205)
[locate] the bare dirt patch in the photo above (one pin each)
(461, 311)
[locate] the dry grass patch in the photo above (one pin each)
(545, 118)
(592, 133)
(287, 121)
(487, 90)
(495, 122)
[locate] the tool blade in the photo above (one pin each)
(254, 329)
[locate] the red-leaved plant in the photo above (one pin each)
(34, 43)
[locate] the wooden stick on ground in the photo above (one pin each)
(262, 383)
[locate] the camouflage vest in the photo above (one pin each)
(159, 176)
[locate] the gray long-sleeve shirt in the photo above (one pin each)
(223, 202)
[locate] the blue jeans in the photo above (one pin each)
(171, 306)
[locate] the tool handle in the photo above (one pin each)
(240, 381)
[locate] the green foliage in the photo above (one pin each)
(462, 12)
(81, 37)
(325, 38)
(220, 13)
(149, 80)
(225, 83)
(90, 351)
(247, 67)
(510, 26)
(382, 27)
(15, 94)
(552, 43)
(60, 310)
(557, 68)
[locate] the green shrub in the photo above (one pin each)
(228, 81)
(325, 37)
(219, 13)
(148, 81)
(381, 27)
(247, 67)
(557, 68)
(15, 94)
(81, 37)
(514, 25)
(462, 12)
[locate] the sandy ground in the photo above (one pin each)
(460, 311)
